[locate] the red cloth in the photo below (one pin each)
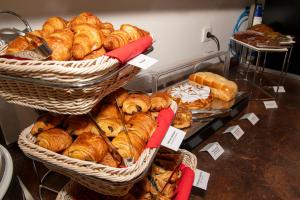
(164, 120)
(185, 184)
(131, 50)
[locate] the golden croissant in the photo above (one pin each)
(53, 24)
(134, 32)
(116, 40)
(85, 18)
(136, 103)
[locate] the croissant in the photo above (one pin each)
(107, 29)
(109, 160)
(136, 103)
(87, 146)
(77, 125)
(133, 31)
(85, 18)
(18, 44)
(87, 38)
(107, 111)
(140, 122)
(120, 94)
(53, 24)
(95, 54)
(111, 126)
(46, 122)
(54, 140)
(60, 42)
(159, 101)
(116, 40)
(122, 143)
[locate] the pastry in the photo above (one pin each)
(142, 121)
(95, 54)
(221, 87)
(109, 160)
(85, 18)
(46, 122)
(134, 32)
(79, 124)
(107, 111)
(87, 38)
(53, 24)
(107, 29)
(121, 94)
(18, 44)
(154, 115)
(54, 139)
(183, 117)
(159, 101)
(136, 103)
(193, 96)
(87, 146)
(129, 146)
(60, 42)
(116, 40)
(111, 126)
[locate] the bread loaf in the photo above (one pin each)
(221, 87)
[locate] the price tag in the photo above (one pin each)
(280, 89)
(251, 117)
(142, 61)
(173, 138)
(236, 131)
(201, 179)
(214, 149)
(270, 104)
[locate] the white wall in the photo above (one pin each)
(176, 24)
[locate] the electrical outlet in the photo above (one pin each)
(205, 30)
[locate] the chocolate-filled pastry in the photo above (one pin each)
(143, 121)
(136, 103)
(183, 117)
(95, 54)
(85, 18)
(111, 126)
(159, 101)
(121, 94)
(89, 147)
(79, 124)
(122, 143)
(46, 122)
(53, 24)
(54, 139)
(109, 160)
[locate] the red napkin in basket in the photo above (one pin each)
(185, 184)
(131, 50)
(164, 121)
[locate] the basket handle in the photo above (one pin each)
(28, 27)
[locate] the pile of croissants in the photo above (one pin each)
(78, 136)
(83, 37)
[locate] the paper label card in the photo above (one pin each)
(251, 117)
(173, 138)
(270, 104)
(236, 131)
(214, 149)
(279, 89)
(201, 179)
(142, 61)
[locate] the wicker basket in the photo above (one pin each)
(189, 160)
(65, 87)
(100, 178)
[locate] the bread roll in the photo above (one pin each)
(95, 54)
(159, 101)
(85, 18)
(136, 103)
(54, 140)
(87, 38)
(221, 87)
(116, 40)
(87, 146)
(46, 122)
(53, 24)
(79, 124)
(60, 42)
(122, 143)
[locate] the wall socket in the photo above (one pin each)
(205, 30)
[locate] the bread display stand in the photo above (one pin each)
(184, 186)
(201, 130)
(245, 51)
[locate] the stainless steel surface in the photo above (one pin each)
(27, 26)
